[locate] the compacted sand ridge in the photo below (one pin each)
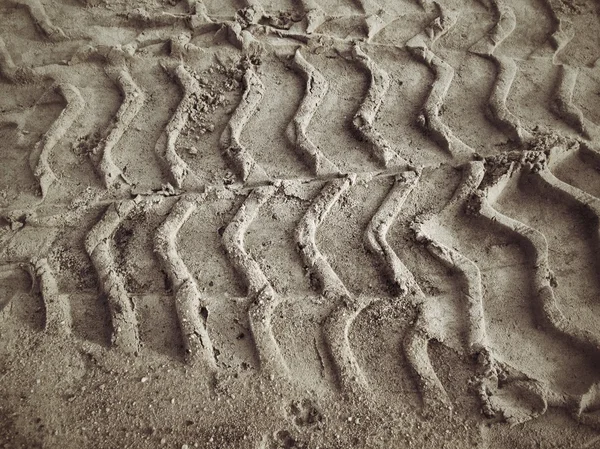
(299, 224)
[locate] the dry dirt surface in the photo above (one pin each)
(299, 224)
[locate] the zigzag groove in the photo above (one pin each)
(471, 278)
(506, 68)
(330, 284)
(243, 162)
(264, 298)
(99, 249)
(562, 103)
(337, 325)
(572, 193)
(336, 329)
(233, 240)
(552, 317)
(130, 107)
(581, 197)
(375, 237)
(165, 147)
(39, 156)
(316, 89)
(58, 315)
(40, 18)
(417, 337)
(562, 35)
(365, 116)
(470, 275)
(418, 46)
(188, 301)
(415, 346)
(10, 71)
(462, 265)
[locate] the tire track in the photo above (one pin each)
(434, 396)
(468, 271)
(571, 193)
(28, 250)
(166, 146)
(264, 299)
(580, 406)
(316, 89)
(243, 39)
(362, 122)
(489, 369)
(537, 249)
(39, 157)
(244, 31)
(417, 338)
(133, 101)
(574, 194)
(575, 198)
(190, 306)
(57, 307)
(493, 376)
(23, 250)
(555, 159)
(58, 314)
(233, 241)
(562, 33)
(243, 163)
(419, 47)
(200, 19)
(330, 284)
(415, 347)
(506, 69)
(10, 71)
(375, 237)
(562, 103)
(40, 18)
(346, 308)
(152, 19)
(100, 250)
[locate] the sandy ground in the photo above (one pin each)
(299, 224)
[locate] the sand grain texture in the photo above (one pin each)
(299, 224)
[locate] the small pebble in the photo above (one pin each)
(145, 379)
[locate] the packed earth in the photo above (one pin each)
(265, 224)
